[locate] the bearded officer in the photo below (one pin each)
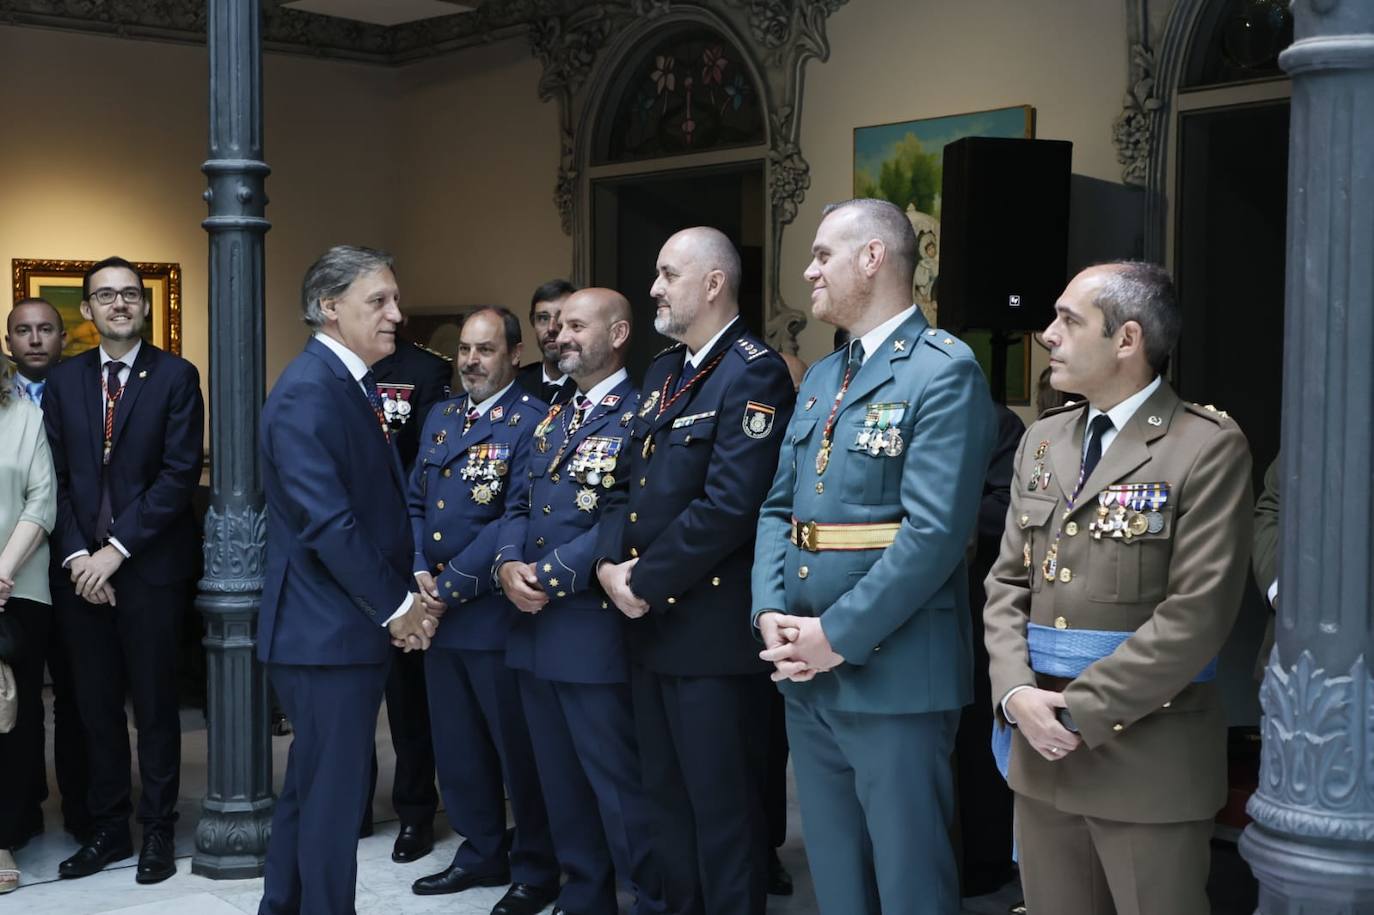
(704, 445)
(860, 589)
(473, 450)
(568, 644)
(1120, 574)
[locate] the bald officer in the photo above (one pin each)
(1120, 573)
(860, 590)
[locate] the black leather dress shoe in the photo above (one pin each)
(525, 899)
(413, 843)
(157, 861)
(779, 880)
(455, 879)
(104, 847)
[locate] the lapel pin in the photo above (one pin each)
(899, 346)
(143, 374)
(1155, 421)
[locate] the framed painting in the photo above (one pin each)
(903, 163)
(59, 281)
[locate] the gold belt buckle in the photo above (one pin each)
(804, 535)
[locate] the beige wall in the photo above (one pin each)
(104, 151)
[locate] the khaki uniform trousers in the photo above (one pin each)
(1077, 865)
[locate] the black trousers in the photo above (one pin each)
(413, 794)
(68, 737)
(703, 744)
(127, 650)
(775, 772)
(21, 786)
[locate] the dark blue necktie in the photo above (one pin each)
(1096, 429)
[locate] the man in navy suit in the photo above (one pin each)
(473, 451)
(125, 423)
(704, 445)
(568, 644)
(543, 379)
(336, 583)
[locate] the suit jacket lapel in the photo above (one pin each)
(878, 366)
(93, 399)
(353, 395)
(138, 373)
(597, 413)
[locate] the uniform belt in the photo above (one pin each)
(815, 537)
(1052, 683)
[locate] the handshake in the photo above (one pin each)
(414, 629)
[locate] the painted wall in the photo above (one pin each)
(104, 150)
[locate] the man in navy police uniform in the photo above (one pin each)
(473, 450)
(336, 583)
(704, 445)
(568, 644)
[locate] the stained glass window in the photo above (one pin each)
(1240, 40)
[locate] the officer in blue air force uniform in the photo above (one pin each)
(568, 644)
(859, 585)
(473, 450)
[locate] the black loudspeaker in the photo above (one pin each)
(1004, 231)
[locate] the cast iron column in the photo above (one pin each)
(231, 837)
(1312, 842)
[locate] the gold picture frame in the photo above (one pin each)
(59, 282)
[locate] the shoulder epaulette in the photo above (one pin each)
(1208, 412)
(943, 341)
(434, 352)
(669, 348)
(751, 350)
(1063, 408)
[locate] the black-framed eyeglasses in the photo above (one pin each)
(131, 295)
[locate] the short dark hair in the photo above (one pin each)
(551, 291)
(103, 265)
(1144, 293)
(508, 319)
(37, 300)
(885, 221)
(331, 275)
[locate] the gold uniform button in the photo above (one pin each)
(1169, 703)
(643, 481)
(715, 582)
(547, 509)
(1118, 727)
(439, 505)
(1025, 519)
(448, 471)
(820, 487)
(438, 536)
(803, 572)
(1066, 575)
(539, 542)
(553, 477)
(1061, 623)
(634, 552)
(672, 600)
(1071, 528)
(562, 593)
(634, 516)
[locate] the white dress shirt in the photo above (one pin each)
(604, 387)
(694, 359)
(878, 335)
(490, 402)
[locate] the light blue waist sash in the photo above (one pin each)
(1067, 653)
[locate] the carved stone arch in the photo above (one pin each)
(582, 52)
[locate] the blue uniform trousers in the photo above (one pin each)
(877, 804)
(480, 742)
(312, 860)
(584, 742)
(703, 743)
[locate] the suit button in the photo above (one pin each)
(820, 487)
(803, 572)
(438, 536)
(1061, 623)
(1071, 528)
(715, 582)
(634, 553)
(448, 471)
(439, 505)
(634, 516)
(539, 542)
(672, 600)
(1118, 727)
(547, 509)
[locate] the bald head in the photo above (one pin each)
(710, 250)
(594, 336)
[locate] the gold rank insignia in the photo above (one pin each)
(448, 410)
(514, 419)
(626, 417)
(649, 403)
(586, 499)
(1040, 450)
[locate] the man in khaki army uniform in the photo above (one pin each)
(1120, 573)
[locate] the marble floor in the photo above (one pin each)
(383, 886)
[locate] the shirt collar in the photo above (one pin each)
(24, 380)
(606, 386)
(544, 372)
(491, 401)
(875, 337)
(1122, 412)
(128, 358)
(694, 359)
(351, 360)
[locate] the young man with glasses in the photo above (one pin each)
(125, 421)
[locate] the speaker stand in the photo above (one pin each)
(1000, 341)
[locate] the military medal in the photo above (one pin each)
(1026, 555)
(1045, 480)
(541, 444)
(649, 403)
(626, 417)
(482, 494)
(1041, 449)
(648, 447)
(894, 445)
(1034, 482)
(823, 457)
(608, 481)
(586, 499)
(440, 436)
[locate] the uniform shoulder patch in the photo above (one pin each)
(672, 347)
(751, 350)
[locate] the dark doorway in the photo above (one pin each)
(633, 216)
(1233, 205)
